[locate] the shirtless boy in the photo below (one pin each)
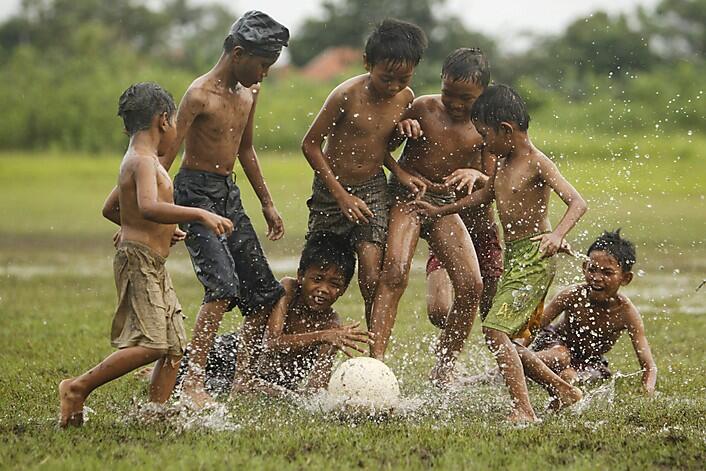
(303, 331)
(148, 324)
(595, 315)
(216, 119)
(356, 121)
(446, 141)
(521, 186)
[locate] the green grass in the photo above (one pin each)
(57, 299)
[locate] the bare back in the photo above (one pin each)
(522, 194)
(357, 142)
(215, 118)
(133, 225)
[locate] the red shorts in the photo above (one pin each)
(488, 251)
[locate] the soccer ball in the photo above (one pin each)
(364, 385)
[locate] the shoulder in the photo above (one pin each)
(290, 285)
(631, 316)
(570, 295)
(352, 86)
(197, 93)
(426, 104)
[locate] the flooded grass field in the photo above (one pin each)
(57, 298)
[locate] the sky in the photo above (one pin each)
(508, 21)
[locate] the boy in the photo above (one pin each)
(596, 314)
(303, 331)
(215, 118)
(449, 142)
(520, 186)
(349, 192)
(148, 324)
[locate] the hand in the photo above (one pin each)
(549, 245)
(566, 248)
(275, 226)
(117, 238)
(423, 208)
(410, 128)
(463, 177)
(416, 185)
(355, 209)
(177, 237)
(347, 337)
(218, 224)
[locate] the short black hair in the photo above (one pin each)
(618, 247)
(396, 41)
(141, 102)
(500, 103)
(467, 64)
(323, 249)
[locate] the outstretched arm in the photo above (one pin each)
(251, 166)
(576, 207)
(145, 174)
(636, 329)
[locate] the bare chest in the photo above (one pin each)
(224, 117)
(365, 119)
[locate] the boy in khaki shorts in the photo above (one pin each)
(148, 325)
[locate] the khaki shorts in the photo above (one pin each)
(148, 313)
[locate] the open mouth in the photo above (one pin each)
(319, 300)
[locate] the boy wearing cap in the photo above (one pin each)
(215, 118)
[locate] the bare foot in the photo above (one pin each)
(442, 375)
(566, 398)
(519, 416)
(197, 395)
(71, 405)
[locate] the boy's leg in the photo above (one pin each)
(370, 256)
(490, 286)
(205, 329)
(74, 391)
(163, 379)
(558, 358)
(450, 241)
(402, 238)
(563, 393)
(440, 295)
(249, 349)
(510, 365)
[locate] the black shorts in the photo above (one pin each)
(232, 268)
(549, 337)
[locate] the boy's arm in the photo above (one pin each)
(407, 128)
(413, 183)
(556, 306)
(251, 167)
(111, 207)
(152, 209)
(551, 243)
(191, 105)
(636, 329)
(331, 113)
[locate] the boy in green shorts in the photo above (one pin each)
(521, 187)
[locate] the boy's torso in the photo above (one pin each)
(589, 328)
(133, 225)
(213, 139)
(357, 144)
(446, 145)
(522, 197)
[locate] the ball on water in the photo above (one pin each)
(365, 384)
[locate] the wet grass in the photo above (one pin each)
(57, 299)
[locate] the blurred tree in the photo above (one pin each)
(679, 28)
(348, 23)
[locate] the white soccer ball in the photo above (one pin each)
(364, 385)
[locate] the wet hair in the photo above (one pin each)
(467, 64)
(500, 103)
(141, 102)
(324, 249)
(398, 42)
(621, 249)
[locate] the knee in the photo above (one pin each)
(395, 276)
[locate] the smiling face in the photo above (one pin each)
(321, 286)
(387, 79)
(458, 97)
(604, 276)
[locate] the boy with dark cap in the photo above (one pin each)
(215, 118)
(349, 192)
